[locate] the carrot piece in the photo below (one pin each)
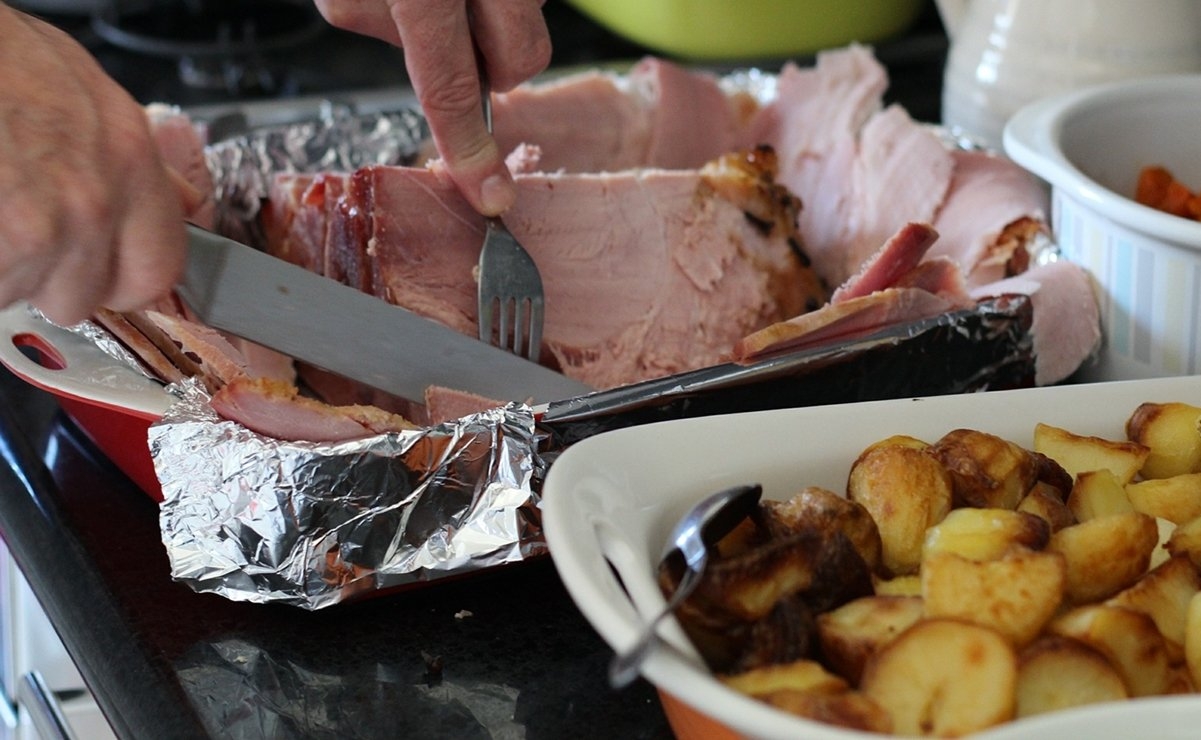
(1153, 183)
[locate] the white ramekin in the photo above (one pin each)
(1090, 146)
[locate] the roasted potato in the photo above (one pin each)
(853, 632)
(1192, 639)
(1046, 502)
(1015, 595)
(944, 678)
(1105, 555)
(985, 534)
(1128, 639)
(821, 509)
(1177, 499)
(910, 585)
(803, 676)
(906, 490)
(1185, 540)
(1164, 594)
(1172, 433)
(1098, 493)
(1078, 453)
(1057, 672)
(986, 470)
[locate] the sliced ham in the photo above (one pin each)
(901, 173)
(585, 122)
(277, 410)
(180, 143)
(988, 195)
(647, 272)
(1066, 327)
(839, 322)
(678, 101)
(447, 404)
(659, 115)
(216, 360)
(900, 254)
(813, 124)
(155, 359)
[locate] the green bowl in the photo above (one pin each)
(728, 30)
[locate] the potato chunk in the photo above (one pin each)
(1177, 499)
(1098, 493)
(1016, 595)
(1058, 672)
(1172, 433)
(853, 632)
(800, 675)
(1105, 555)
(944, 678)
(906, 491)
(1078, 453)
(1164, 594)
(985, 534)
(1045, 502)
(1128, 639)
(826, 511)
(1185, 540)
(987, 471)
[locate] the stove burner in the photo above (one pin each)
(220, 44)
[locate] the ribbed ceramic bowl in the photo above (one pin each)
(1090, 146)
(750, 29)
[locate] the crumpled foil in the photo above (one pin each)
(309, 524)
(257, 519)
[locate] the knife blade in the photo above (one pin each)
(251, 294)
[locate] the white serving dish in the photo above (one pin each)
(610, 501)
(1090, 146)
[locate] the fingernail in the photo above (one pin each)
(497, 194)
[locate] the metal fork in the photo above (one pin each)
(509, 282)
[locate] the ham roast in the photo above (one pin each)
(677, 223)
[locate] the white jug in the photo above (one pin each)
(1006, 53)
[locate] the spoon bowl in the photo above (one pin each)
(693, 536)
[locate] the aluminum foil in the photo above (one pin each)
(257, 519)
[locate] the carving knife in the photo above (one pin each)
(312, 318)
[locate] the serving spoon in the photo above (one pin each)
(694, 535)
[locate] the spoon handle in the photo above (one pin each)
(623, 669)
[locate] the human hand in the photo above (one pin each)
(89, 215)
(440, 39)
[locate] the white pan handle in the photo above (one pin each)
(87, 372)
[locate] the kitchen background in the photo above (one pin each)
(213, 56)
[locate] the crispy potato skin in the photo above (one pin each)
(987, 471)
(1172, 433)
(905, 490)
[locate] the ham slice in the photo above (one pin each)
(988, 196)
(840, 322)
(899, 255)
(657, 115)
(1067, 323)
(181, 145)
(813, 124)
(156, 360)
(583, 123)
(647, 272)
(276, 409)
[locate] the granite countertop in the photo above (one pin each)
(500, 654)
